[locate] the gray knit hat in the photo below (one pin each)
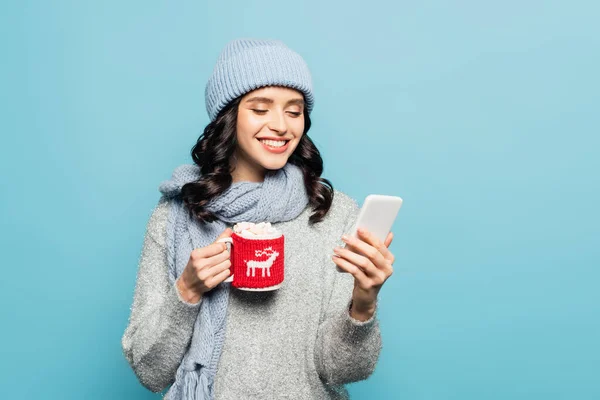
(248, 64)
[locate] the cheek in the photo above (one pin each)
(247, 127)
(296, 125)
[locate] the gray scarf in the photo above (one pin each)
(281, 197)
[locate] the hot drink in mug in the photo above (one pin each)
(257, 256)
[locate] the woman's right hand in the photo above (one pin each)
(208, 266)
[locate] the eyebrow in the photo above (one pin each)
(270, 101)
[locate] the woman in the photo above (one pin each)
(255, 162)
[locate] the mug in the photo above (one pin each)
(256, 262)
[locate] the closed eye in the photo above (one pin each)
(263, 112)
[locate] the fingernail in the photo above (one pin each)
(345, 238)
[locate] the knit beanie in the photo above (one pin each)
(248, 64)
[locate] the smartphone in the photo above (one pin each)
(377, 215)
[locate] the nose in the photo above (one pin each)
(277, 123)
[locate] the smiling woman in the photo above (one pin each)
(256, 163)
(257, 132)
(271, 117)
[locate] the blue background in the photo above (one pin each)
(483, 116)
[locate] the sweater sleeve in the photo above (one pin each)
(161, 322)
(347, 350)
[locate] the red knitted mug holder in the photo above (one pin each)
(257, 263)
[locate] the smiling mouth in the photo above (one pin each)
(276, 144)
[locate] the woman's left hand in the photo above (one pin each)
(370, 262)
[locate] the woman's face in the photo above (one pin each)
(270, 123)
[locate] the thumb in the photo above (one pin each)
(226, 233)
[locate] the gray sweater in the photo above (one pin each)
(297, 342)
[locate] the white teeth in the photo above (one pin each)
(274, 143)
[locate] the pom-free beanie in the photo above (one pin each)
(248, 64)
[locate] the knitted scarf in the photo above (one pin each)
(281, 197)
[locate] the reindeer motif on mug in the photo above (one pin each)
(263, 265)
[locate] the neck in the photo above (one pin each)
(244, 171)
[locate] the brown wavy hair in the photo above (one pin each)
(214, 150)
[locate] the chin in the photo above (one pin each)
(274, 164)
(271, 161)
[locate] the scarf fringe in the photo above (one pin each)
(190, 383)
(195, 385)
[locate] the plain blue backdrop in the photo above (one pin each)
(483, 116)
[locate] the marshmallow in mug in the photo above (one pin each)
(252, 230)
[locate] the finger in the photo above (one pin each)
(205, 272)
(387, 254)
(211, 262)
(211, 250)
(350, 268)
(388, 239)
(220, 277)
(226, 233)
(358, 260)
(368, 237)
(378, 244)
(218, 268)
(360, 247)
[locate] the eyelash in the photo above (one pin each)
(263, 112)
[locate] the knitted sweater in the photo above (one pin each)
(296, 342)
